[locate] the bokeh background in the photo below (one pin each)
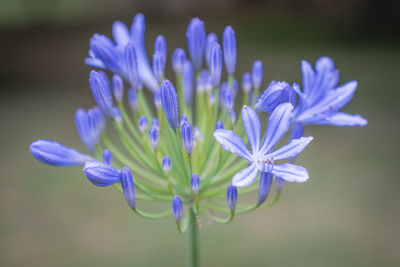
(347, 214)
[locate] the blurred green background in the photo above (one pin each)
(347, 214)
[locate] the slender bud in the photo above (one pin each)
(107, 156)
(142, 124)
(211, 38)
(128, 187)
(216, 64)
(160, 46)
(257, 74)
(265, 186)
(219, 125)
(118, 87)
(158, 66)
(231, 197)
(247, 82)
(196, 39)
(132, 66)
(157, 99)
(54, 153)
(229, 44)
(195, 183)
(279, 183)
(155, 123)
(188, 82)
(132, 99)
(166, 164)
(101, 174)
(169, 101)
(177, 208)
(183, 119)
(187, 137)
(100, 87)
(153, 135)
(275, 94)
(178, 58)
(86, 129)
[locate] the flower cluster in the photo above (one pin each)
(176, 147)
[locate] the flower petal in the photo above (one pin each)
(252, 126)
(290, 150)
(278, 125)
(245, 177)
(120, 33)
(343, 119)
(307, 76)
(290, 172)
(232, 143)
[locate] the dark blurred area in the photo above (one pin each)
(347, 214)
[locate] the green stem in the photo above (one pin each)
(192, 240)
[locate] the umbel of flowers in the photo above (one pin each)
(188, 146)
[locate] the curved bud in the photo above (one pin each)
(54, 153)
(128, 187)
(142, 124)
(231, 197)
(265, 186)
(211, 38)
(247, 82)
(195, 183)
(216, 64)
(229, 45)
(166, 164)
(178, 58)
(188, 82)
(101, 174)
(107, 156)
(196, 39)
(187, 137)
(118, 87)
(177, 208)
(169, 101)
(257, 74)
(100, 87)
(153, 136)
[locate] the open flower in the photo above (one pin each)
(262, 158)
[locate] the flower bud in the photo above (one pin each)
(132, 99)
(257, 74)
(54, 153)
(128, 187)
(169, 101)
(142, 124)
(166, 164)
(160, 46)
(100, 87)
(98, 116)
(188, 82)
(195, 183)
(183, 119)
(229, 45)
(178, 58)
(187, 137)
(265, 186)
(86, 129)
(118, 87)
(177, 208)
(211, 38)
(219, 125)
(231, 197)
(158, 66)
(157, 99)
(155, 123)
(247, 82)
(101, 174)
(275, 94)
(153, 135)
(107, 156)
(196, 39)
(216, 64)
(229, 100)
(202, 81)
(117, 114)
(132, 66)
